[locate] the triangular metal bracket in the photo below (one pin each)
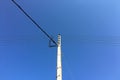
(51, 44)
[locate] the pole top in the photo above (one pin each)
(59, 40)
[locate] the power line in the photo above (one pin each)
(34, 22)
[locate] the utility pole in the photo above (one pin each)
(58, 44)
(59, 59)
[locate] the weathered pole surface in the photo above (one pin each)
(59, 60)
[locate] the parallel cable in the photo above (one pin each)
(34, 21)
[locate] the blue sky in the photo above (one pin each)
(90, 31)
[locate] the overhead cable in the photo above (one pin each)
(34, 22)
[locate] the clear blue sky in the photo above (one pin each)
(90, 32)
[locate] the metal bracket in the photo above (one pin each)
(51, 44)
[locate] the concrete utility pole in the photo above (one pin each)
(59, 60)
(56, 44)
